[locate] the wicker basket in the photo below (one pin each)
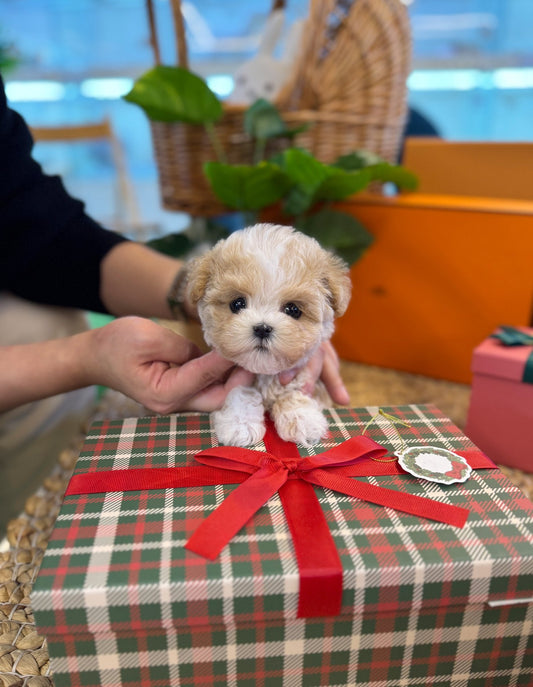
(181, 151)
(350, 81)
(348, 84)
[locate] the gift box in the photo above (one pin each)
(500, 414)
(317, 588)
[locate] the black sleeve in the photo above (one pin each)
(50, 249)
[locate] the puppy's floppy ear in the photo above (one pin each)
(336, 279)
(199, 273)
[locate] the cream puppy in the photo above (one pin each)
(267, 297)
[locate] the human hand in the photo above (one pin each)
(324, 365)
(159, 368)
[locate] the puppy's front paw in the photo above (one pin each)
(299, 419)
(231, 432)
(241, 420)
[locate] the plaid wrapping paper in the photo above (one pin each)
(123, 603)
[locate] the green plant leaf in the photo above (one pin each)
(307, 174)
(174, 245)
(279, 157)
(247, 187)
(263, 120)
(340, 184)
(402, 177)
(315, 181)
(380, 169)
(339, 232)
(174, 94)
(357, 160)
(204, 231)
(304, 169)
(297, 202)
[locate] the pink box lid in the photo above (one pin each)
(494, 358)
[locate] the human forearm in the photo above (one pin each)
(136, 280)
(133, 355)
(30, 372)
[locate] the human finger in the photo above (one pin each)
(331, 376)
(313, 369)
(199, 373)
(213, 397)
(174, 348)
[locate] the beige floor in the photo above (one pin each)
(369, 385)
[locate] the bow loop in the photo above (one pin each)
(270, 471)
(345, 454)
(234, 458)
(512, 336)
(249, 460)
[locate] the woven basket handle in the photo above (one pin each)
(179, 28)
(182, 57)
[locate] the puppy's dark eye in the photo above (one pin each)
(238, 304)
(292, 310)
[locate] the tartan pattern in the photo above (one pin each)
(116, 582)
(442, 647)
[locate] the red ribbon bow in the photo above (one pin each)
(282, 469)
(272, 470)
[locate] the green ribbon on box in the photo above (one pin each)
(511, 336)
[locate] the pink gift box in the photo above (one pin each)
(500, 416)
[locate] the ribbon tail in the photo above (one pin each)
(316, 554)
(151, 478)
(233, 513)
(407, 503)
(318, 560)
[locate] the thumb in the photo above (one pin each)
(199, 373)
(174, 348)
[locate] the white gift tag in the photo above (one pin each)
(434, 464)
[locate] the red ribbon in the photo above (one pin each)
(281, 469)
(271, 470)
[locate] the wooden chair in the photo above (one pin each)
(127, 217)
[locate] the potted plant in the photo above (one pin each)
(303, 189)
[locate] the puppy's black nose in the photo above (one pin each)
(262, 331)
